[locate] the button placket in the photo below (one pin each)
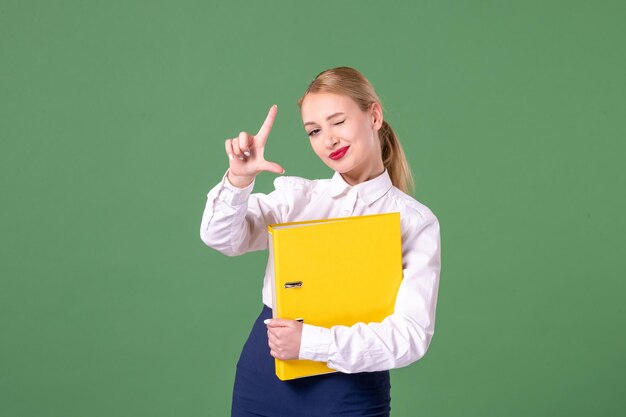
(348, 205)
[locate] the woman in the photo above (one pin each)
(343, 118)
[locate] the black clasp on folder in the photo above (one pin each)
(293, 284)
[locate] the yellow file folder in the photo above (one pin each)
(338, 271)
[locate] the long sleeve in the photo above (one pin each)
(404, 336)
(235, 220)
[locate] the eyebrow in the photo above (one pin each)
(328, 118)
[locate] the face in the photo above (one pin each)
(344, 137)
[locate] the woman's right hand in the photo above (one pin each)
(246, 154)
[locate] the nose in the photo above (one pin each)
(330, 141)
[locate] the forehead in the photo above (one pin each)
(321, 105)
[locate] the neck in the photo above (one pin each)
(353, 178)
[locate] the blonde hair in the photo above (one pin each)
(349, 82)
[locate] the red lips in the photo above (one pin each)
(339, 153)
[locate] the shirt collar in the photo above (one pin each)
(368, 191)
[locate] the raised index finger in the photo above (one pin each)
(264, 131)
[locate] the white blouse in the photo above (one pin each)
(235, 222)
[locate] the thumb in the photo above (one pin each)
(277, 323)
(272, 167)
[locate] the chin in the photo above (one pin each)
(337, 166)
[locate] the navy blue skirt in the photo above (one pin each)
(259, 392)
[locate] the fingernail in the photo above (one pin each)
(241, 157)
(246, 153)
(230, 156)
(267, 321)
(283, 171)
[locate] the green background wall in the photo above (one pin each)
(112, 122)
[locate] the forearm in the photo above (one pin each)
(394, 343)
(235, 221)
(223, 225)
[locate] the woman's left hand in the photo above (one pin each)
(284, 338)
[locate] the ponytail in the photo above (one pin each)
(394, 159)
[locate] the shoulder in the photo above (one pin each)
(298, 193)
(413, 212)
(289, 183)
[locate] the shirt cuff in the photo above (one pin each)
(234, 196)
(315, 343)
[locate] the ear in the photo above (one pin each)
(376, 113)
